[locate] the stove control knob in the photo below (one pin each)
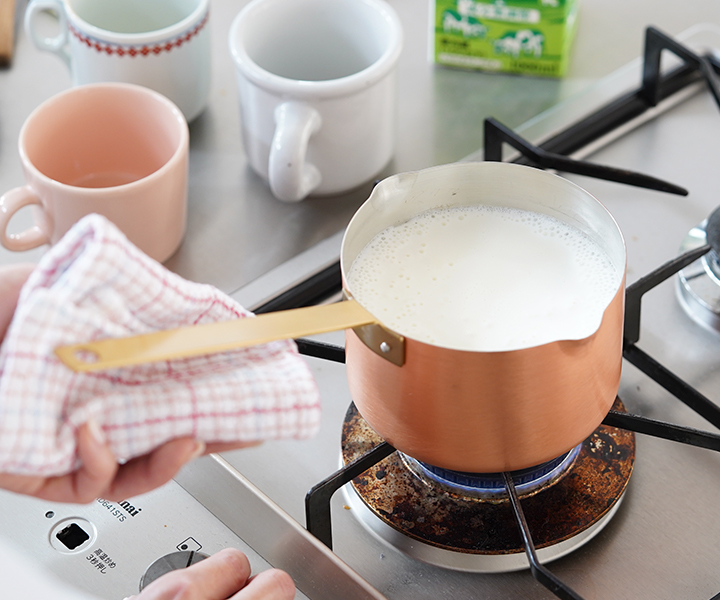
(170, 562)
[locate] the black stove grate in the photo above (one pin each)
(495, 134)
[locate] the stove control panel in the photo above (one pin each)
(113, 549)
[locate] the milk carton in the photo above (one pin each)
(513, 36)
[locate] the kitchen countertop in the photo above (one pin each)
(237, 231)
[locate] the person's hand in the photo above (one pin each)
(223, 575)
(99, 475)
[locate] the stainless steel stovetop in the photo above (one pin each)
(662, 543)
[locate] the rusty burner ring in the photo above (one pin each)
(462, 530)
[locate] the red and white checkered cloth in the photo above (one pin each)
(95, 284)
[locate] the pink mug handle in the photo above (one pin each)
(35, 236)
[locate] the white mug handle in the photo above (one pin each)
(291, 177)
(57, 44)
(35, 236)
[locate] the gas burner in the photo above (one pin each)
(491, 486)
(699, 282)
(457, 529)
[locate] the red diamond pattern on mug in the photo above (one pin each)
(160, 47)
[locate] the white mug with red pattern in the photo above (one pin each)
(160, 44)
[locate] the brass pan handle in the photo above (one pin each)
(210, 338)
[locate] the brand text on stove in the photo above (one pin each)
(131, 510)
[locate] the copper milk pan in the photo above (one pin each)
(463, 410)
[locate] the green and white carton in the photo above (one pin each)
(514, 36)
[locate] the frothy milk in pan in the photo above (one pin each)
(485, 278)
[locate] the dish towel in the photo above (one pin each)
(95, 284)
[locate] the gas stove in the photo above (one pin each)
(640, 551)
(650, 531)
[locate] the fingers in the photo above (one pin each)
(21, 484)
(84, 485)
(218, 578)
(272, 584)
(99, 465)
(100, 476)
(215, 578)
(97, 470)
(147, 472)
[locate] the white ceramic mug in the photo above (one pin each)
(316, 81)
(160, 44)
(116, 149)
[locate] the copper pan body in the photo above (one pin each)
(486, 412)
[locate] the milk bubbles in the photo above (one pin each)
(485, 278)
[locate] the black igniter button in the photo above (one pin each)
(170, 562)
(72, 536)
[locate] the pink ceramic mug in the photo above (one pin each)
(115, 149)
